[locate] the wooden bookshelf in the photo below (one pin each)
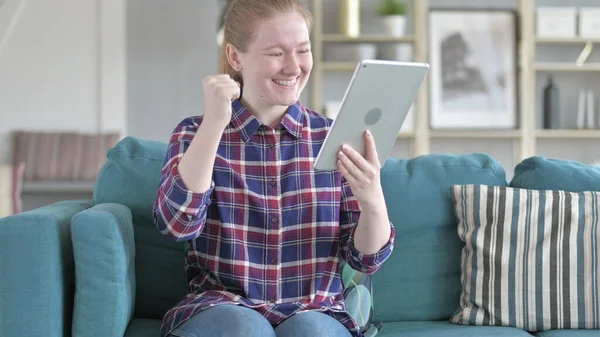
(524, 138)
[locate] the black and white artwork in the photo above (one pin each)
(473, 69)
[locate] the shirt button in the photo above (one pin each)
(272, 260)
(272, 182)
(274, 219)
(271, 145)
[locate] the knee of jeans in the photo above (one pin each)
(312, 323)
(230, 321)
(248, 324)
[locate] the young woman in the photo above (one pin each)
(267, 232)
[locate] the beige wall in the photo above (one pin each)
(52, 53)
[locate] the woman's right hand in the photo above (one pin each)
(219, 91)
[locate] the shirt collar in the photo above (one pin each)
(244, 122)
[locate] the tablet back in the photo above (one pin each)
(378, 98)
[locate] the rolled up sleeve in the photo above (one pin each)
(369, 263)
(349, 216)
(180, 213)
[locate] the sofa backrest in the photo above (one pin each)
(130, 177)
(421, 279)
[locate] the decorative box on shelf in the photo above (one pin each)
(589, 22)
(555, 22)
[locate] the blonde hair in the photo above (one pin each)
(241, 18)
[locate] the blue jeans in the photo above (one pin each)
(238, 321)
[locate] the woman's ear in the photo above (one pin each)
(234, 57)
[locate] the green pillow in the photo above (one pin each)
(358, 297)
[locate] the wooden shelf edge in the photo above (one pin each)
(566, 40)
(482, 134)
(372, 38)
(565, 66)
(339, 66)
(568, 134)
(406, 135)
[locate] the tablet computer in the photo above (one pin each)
(378, 98)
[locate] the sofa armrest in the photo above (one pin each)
(104, 253)
(37, 277)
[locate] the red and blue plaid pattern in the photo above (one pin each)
(271, 231)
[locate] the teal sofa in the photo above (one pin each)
(100, 268)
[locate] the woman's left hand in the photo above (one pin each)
(362, 173)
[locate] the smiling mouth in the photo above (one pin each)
(287, 83)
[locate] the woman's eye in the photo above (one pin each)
(276, 54)
(304, 51)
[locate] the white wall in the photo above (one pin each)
(171, 47)
(62, 67)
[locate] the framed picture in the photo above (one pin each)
(473, 74)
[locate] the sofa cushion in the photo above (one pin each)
(421, 279)
(36, 265)
(143, 327)
(104, 253)
(530, 259)
(446, 329)
(130, 177)
(540, 173)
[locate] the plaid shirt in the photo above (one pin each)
(271, 231)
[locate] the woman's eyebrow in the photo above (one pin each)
(277, 45)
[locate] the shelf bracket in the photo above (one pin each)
(585, 53)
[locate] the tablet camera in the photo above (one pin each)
(373, 116)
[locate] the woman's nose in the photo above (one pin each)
(292, 66)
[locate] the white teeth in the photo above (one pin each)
(286, 83)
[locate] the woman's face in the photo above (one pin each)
(278, 62)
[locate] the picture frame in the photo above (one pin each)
(473, 74)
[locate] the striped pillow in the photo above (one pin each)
(530, 258)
